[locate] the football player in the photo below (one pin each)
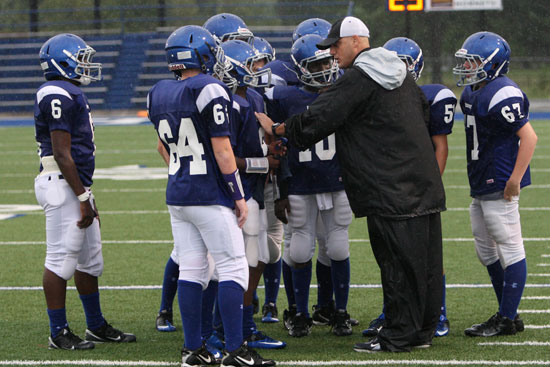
(442, 103)
(251, 154)
(284, 73)
(204, 191)
(500, 143)
(314, 189)
(64, 132)
(227, 26)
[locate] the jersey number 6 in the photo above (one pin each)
(179, 149)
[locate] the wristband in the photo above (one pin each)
(274, 128)
(84, 196)
(257, 165)
(233, 181)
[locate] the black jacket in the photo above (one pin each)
(383, 145)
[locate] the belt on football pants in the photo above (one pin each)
(49, 166)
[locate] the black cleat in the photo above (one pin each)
(198, 357)
(374, 327)
(108, 334)
(270, 313)
(341, 325)
(245, 356)
(496, 325)
(68, 341)
(372, 346)
(165, 321)
(300, 325)
(323, 315)
(288, 316)
(518, 322)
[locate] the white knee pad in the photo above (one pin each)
(251, 232)
(263, 248)
(174, 255)
(274, 226)
(301, 220)
(497, 231)
(336, 222)
(286, 247)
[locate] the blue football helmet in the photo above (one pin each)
(483, 56)
(227, 26)
(264, 50)
(408, 51)
(242, 57)
(193, 47)
(67, 55)
(311, 26)
(315, 67)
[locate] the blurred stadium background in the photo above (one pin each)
(129, 38)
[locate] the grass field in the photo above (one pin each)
(137, 242)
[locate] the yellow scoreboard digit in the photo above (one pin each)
(405, 5)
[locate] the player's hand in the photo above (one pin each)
(282, 206)
(265, 121)
(277, 148)
(87, 214)
(273, 162)
(511, 190)
(241, 210)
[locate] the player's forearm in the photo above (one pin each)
(441, 151)
(163, 153)
(224, 155)
(70, 173)
(528, 142)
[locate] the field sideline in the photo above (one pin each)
(129, 187)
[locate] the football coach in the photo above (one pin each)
(380, 117)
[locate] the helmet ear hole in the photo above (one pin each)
(64, 64)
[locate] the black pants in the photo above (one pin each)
(409, 254)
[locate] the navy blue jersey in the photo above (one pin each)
(282, 73)
(315, 170)
(61, 105)
(186, 115)
(248, 140)
(492, 117)
(442, 103)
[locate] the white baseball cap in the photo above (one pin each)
(345, 27)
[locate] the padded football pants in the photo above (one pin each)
(409, 253)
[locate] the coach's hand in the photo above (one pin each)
(282, 206)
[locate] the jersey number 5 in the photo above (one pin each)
(186, 145)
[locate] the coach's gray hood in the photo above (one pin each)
(383, 66)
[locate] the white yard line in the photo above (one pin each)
(533, 311)
(388, 362)
(353, 286)
(518, 344)
(537, 326)
(357, 240)
(535, 297)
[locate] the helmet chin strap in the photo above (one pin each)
(61, 71)
(84, 80)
